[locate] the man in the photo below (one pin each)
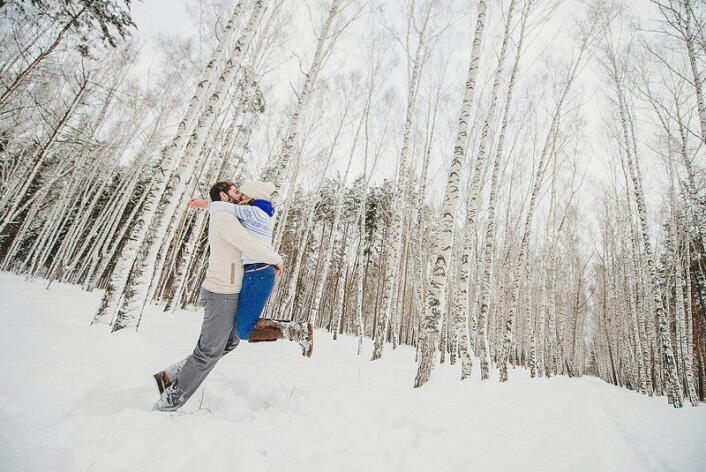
(220, 291)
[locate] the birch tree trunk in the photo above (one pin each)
(362, 213)
(462, 312)
(673, 384)
(682, 315)
(689, 341)
(492, 198)
(320, 283)
(394, 248)
(437, 284)
(290, 293)
(547, 150)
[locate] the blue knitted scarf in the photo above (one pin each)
(264, 205)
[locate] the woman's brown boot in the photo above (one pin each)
(271, 330)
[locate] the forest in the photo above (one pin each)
(497, 183)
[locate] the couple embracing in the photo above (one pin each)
(242, 268)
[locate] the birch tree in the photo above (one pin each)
(326, 39)
(72, 17)
(680, 18)
(437, 284)
(615, 72)
(547, 148)
(415, 64)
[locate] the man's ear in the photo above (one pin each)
(223, 196)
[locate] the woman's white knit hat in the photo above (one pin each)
(257, 190)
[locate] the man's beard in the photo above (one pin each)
(232, 200)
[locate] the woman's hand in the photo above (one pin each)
(278, 271)
(198, 203)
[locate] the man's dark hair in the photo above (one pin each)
(219, 187)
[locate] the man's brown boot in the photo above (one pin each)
(163, 380)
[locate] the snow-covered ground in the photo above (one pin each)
(75, 398)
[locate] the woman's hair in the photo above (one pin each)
(219, 187)
(247, 201)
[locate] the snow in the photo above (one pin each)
(76, 398)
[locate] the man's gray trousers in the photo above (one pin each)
(218, 338)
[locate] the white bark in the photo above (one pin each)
(547, 150)
(290, 293)
(394, 247)
(673, 385)
(683, 317)
(688, 340)
(320, 282)
(436, 299)
(492, 199)
(462, 312)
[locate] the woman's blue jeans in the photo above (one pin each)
(256, 289)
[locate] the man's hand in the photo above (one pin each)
(198, 203)
(278, 271)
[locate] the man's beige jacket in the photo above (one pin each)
(228, 240)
